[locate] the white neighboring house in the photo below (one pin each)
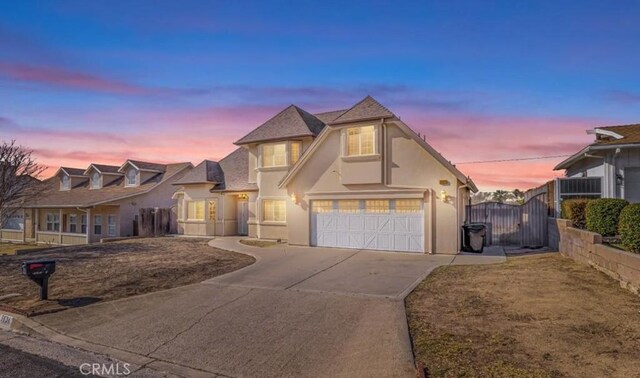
(607, 168)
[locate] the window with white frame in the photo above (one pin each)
(295, 149)
(132, 177)
(65, 182)
(274, 210)
(73, 223)
(195, 210)
(83, 224)
(53, 222)
(14, 222)
(360, 141)
(111, 225)
(95, 180)
(274, 155)
(97, 224)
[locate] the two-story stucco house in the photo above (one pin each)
(82, 206)
(353, 178)
(608, 168)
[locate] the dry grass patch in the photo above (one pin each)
(100, 272)
(533, 316)
(12, 248)
(258, 243)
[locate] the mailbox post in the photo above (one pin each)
(39, 272)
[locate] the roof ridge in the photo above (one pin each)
(367, 98)
(607, 127)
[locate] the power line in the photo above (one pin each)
(516, 159)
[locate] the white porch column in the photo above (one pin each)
(60, 227)
(88, 233)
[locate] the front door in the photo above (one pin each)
(243, 217)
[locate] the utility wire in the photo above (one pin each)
(516, 159)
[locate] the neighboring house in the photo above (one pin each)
(608, 168)
(353, 178)
(85, 205)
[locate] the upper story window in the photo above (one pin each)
(360, 141)
(296, 149)
(65, 182)
(274, 155)
(132, 177)
(281, 154)
(95, 180)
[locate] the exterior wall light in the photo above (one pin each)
(444, 196)
(243, 196)
(294, 199)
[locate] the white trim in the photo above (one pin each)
(605, 132)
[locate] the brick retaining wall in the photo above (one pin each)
(586, 247)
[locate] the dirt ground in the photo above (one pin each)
(533, 316)
(101, 272)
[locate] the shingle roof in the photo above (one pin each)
(366, 109)
(144, 165)
(630, 133)
(235, 168)
(103, 168)
(328, 117)
(82, 196)
(291, 122)
(207, 172)
(73, 171)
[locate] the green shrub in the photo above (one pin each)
(629, 227)
(602, 215)
(574, 210)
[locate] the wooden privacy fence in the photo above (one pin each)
(154, 222)
(523, 225)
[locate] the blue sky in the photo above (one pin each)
(84, 81)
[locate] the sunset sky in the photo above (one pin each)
(102, 81)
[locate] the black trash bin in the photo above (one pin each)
(473, 237)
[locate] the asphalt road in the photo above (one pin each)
(15, 363)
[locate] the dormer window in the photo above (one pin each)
(360, 141)
(132, 177)
(65, 182)
(95, 180)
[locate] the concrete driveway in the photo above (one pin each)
(296, 312)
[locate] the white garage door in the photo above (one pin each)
(390, 225)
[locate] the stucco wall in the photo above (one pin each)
(587, 248)
(409, 168)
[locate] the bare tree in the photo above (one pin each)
(18, 179)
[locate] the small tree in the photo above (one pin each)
(18, 179)
(500, 196)
(518, 195)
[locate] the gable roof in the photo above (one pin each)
(409, 131)
(103, 168)
(291, 122)
(368, 108)
(71, 171)
(207, 172)
(83, 196)
(617, 136)
(629, 133)
(144, 166)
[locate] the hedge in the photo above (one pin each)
(629, 227)
(574, 210)
(602, 215)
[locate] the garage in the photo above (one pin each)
(382, 224)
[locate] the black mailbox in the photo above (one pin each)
(39, 272)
